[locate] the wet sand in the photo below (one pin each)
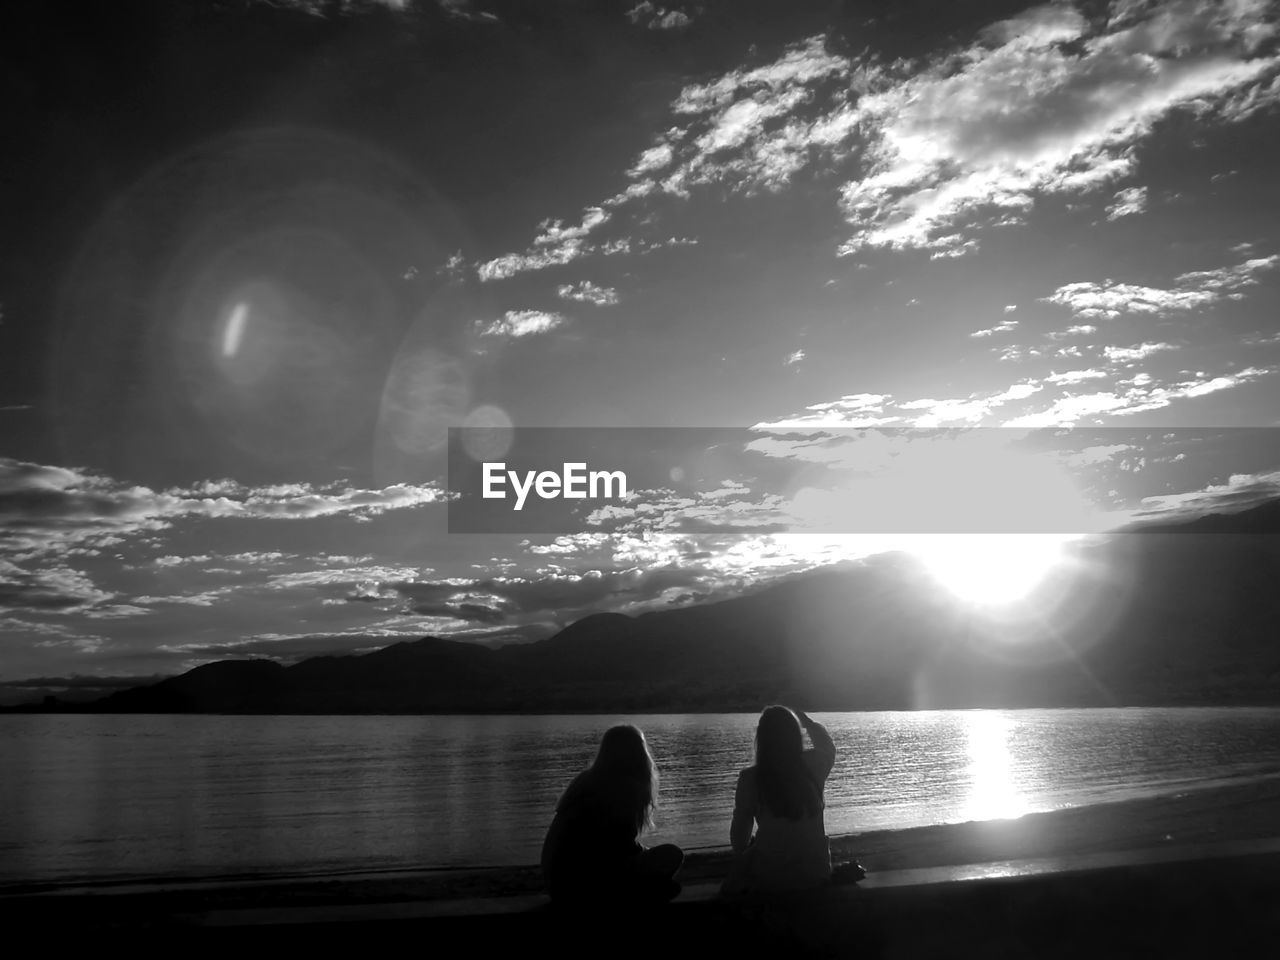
(1242, 812)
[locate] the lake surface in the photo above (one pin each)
(114, 797)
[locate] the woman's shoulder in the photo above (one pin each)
(582, 790)
(580, 782)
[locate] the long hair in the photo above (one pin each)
(623, 777)
(785, 785)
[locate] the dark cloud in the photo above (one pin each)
(57, 589)
(80, 682)
(44, 508)
(497, 599)
(1241, 492)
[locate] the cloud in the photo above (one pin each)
(588, 292)
(854, 410)
(1071, 408)
(1141, 395)
(557, 244)
(510, 264)
(869, 410)
(874, 410)
(1240, 492)
(1076, 376)
(969, 410)
(361, 574)
(1127, 202)
(1108, 300)
(561, 594)
(1130, 355)
(56, 589)
(170, 560)
(658, 18)
(1040, 105)
(289, 648)
(1252, 99)
(1075, 330)
(48, 508)
(524, 323)
(727, 509)
(205, 598)
(461, 9)
(455, 268)
(895, 482)
(81, 683)
(652, 160)
(755, 128)
(1033, 402)
(116, 611)
(741, 128)
(1003, 327)
(1100, 453)
(1229, 280)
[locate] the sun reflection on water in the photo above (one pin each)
(994, 789)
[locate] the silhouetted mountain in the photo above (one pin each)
(1152, 618)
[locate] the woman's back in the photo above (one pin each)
(592, 851)
(594, 829)
(790, 849)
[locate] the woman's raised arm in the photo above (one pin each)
(823, 746)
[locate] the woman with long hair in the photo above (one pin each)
(592, 851)
(780, 798)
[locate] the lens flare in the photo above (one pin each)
(252, 291)
(234, 331)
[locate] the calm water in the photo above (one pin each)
(96, 797)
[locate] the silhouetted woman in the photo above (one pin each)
(781, 797)
(592, 851)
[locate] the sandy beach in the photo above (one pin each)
(1243, 812)
(1224, 838)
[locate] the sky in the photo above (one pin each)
(262, 256)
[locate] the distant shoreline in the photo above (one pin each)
(91, 709)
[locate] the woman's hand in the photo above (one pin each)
(823, 745)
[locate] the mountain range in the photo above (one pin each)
(1178, 616)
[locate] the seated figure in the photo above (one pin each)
(780, 799)
(592, 854)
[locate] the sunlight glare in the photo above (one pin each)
(993, 788)
(990, 569)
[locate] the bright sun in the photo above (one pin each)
(990, 569)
